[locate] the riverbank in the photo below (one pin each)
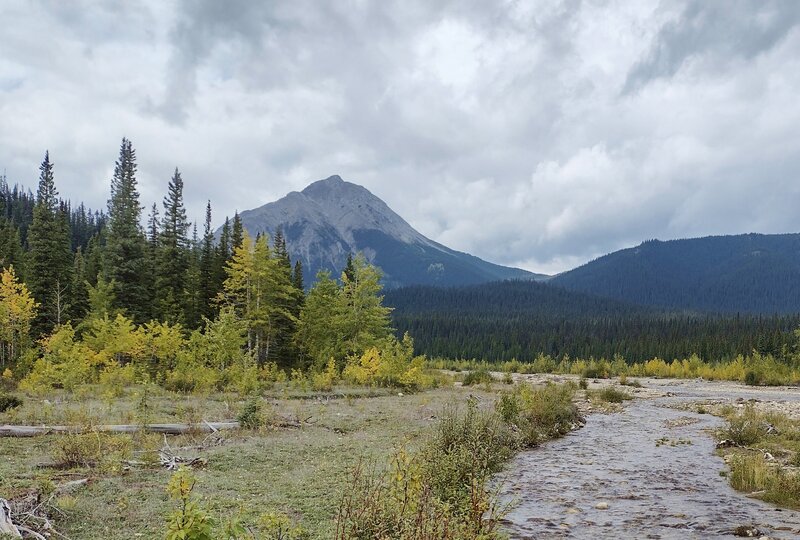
(648, 470)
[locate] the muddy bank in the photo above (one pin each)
(649, 471)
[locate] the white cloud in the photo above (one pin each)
(533, 133)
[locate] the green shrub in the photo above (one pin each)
(251, 415)
(609, 394)
(8, 402)
(539, 413)
(439, 493)
(188, 521)
(480, 376)
(746, 428)
(583, 384)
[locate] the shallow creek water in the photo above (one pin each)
(651, 490)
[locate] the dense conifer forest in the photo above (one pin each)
(507, 320)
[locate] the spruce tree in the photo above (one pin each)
(10, 248)
(125, 251)
(208, 261)
(49, 265)
(79, 303)
(237, 232)
(297, 276)
(192, 303)
(173, 254)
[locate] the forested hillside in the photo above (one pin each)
(506, 320)
(750, 273)
(91, 296)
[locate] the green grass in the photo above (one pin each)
(609, 394)
(757, 433)
(301, 472)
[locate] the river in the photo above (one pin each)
(649, 471)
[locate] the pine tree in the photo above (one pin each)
(173, 254)
(125, 251)
(49, 264)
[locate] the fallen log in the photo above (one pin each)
(167, 429)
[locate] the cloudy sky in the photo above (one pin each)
(538, 133)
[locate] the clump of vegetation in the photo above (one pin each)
(393, 365)
(746, 428)
(754, 369)
(539, 413)
(189, 521)
(764, 452)
(480, 376)
(251, 415)
(751, 473)
(443, 491)
(609, 394)
(8, 402)
(92, 450)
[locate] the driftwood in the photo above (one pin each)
(27, 516)
(167, 429)
(7, 527)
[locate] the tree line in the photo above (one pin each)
(103, 286)
(519, 320)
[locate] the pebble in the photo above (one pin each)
(601, 506)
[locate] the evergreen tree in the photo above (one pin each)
(297, 276)
(192, 296)
(349, 269)
(11, 253)
(173, 254)
(208, 261)
(49, 264)
(237, 232)
(79, 304)
(125, 250)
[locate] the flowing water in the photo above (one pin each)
(614, 479)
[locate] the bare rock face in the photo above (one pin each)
(331, 219)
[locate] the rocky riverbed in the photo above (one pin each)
(646, 471)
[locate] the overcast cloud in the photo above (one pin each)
(537, 134)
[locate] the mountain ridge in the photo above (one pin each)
(332, 218)
(748, 273)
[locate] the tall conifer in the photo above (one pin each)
(125, 259)
(50, 255)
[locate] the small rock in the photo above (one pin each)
(747, 531)
(601, 506)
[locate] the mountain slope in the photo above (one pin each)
(514, 319)
(331, 219)
(751, 273)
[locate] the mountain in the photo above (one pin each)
(750, 273)
(331, 219)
